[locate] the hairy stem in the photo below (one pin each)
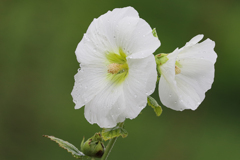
(109, 148)
(110, 145)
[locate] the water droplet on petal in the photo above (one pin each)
(135, 96)
(112, 116)
(170, 95)
(175, 102)
(144, 35)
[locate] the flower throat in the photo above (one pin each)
(117, 66)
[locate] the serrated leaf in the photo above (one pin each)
(68, 146)
(156, 107)
(154, 32)
(109, 133)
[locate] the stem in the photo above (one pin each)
(109, 148)
(110, 145)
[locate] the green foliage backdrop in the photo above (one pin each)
(37, 65)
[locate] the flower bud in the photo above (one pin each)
(94, 146)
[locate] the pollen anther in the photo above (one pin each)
(114, 68)
(177, 70)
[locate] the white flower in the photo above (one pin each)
(187, 74)
(118, 69)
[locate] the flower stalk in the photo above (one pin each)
(109, 148)
(110, 145)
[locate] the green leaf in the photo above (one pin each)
(68, 146)
(153, 103)
(154, 32)
(109, 133)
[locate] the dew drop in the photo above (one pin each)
(175, 102)
(135, 96)
(170, 95)
(112, 116)
(144, 35)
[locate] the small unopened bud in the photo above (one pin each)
(94, 146)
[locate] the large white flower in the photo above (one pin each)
(187, 74)
(118, 69)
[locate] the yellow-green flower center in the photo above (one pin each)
(117, 66)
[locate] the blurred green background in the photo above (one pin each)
(37, 65)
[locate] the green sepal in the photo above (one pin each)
(68, 146)
(161, 58)
(154, 32)
(153, 103)
(109, 133)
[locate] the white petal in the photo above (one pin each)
(203, 50)
(151, 74)
(195, 79)
(100, 37)
(142, 43)
(168, 94)
(139, 84)
(89, 81)
(102, 109)
(195, 40)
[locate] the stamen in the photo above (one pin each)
(177, 70)
(114, 68)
